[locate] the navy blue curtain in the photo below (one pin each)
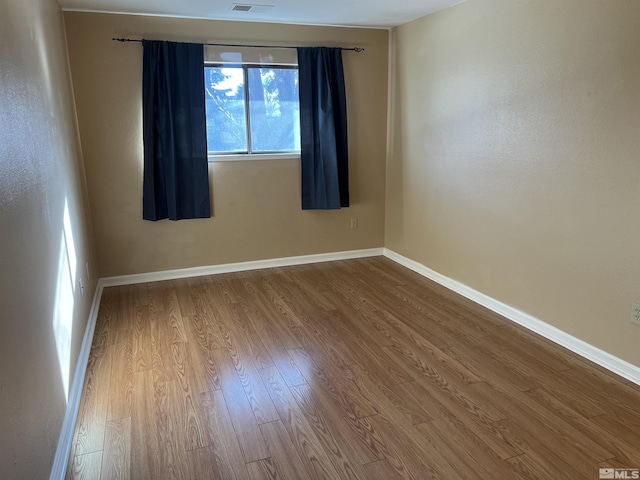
(323, 129)
(176, 180)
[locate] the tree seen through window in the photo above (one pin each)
(273, 109)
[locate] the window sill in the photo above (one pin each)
(241, 157)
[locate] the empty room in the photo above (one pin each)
(320, 240)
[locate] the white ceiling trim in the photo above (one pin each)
(379, 14)
(192, 17)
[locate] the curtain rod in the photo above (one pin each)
(353, 49)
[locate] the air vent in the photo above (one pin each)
(250, 7)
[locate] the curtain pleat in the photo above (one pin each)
(323, 129)
(176, 180)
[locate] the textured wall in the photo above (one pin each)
(514, 162)
(43, 315)
(256, 203)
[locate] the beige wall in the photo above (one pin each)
(42, 312)
(514, 160)
(256, 203)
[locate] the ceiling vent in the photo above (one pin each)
(248, 7)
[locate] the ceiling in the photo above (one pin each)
(362, 13)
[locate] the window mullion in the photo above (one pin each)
(245, 71)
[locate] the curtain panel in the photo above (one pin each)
(176, 180)
(323, 129)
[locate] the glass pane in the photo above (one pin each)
(224, 98)
(274, 109)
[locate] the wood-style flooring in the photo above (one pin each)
(358, 369)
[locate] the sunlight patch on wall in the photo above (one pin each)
(70, 244)
(38, 34)
(64, 300)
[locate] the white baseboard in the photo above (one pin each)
(65, 440)
(600, 357)
(239, 267)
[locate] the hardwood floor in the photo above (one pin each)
(357, 369)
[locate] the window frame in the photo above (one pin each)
(249, 154)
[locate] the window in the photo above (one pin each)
(251, 107)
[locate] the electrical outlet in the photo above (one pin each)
(635, 314)
(354, 223)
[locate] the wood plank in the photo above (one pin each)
(444, 312)
(282, 320)
(385, 272)
(95, 402)
(116, 457)
(325, 376)
(126, 307)
(622, 430)
(315, 299)
(487, 366)
(161, 338)
(467, 444)
(140, 294)
(459, 419)
(107, 318)
(171, 307)
(277, 352)
(541, 460)
(183, 296)
(240, 353)
(142, 352)
(220, 299)
(145, 447)
(323, 340)
(405, 456)
(200, 331)
(381, 470)
(203, 465)
(72, 454)
(187, 403)
(170, 430)
(285, 456)
(590, 429)
(244, 423)
(387, 400)
(363, 445)
(620, 399)
(421, 353)
(225, 451)
(201, 344)
(340, 444)
(535, 418)
(255, 348)
(435, 442)
(87, 466)
(447, 389)
(515, 362)
(541, 349)
(264, 469)
(121, 383)
(403, 424)
(300, 432)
